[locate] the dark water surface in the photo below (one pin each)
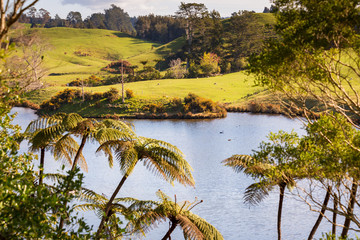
(205, 144)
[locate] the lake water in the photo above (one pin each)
(205, 144)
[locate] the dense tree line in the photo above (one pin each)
(159, 28)
(113, 18)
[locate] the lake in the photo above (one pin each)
(205, 144)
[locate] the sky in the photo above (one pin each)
(144, 7)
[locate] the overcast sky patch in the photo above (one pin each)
(144, 7)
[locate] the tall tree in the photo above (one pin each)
(164, 159)
(44, 16)
(192, 13)
(317, 57)
(117, 19)
(271, 165)
(10, 12)
(74, 19)
(96, 20)
(45, 133)
(329, 160)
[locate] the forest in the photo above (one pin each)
(309, 57)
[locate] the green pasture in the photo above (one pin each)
(225, 88)
(79, 53)
(88, 50)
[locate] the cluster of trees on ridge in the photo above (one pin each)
(316, 56)
(114, 18)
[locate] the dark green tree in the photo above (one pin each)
(117, 19)
(74, 19)
(192, 13)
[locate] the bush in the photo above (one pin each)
(176, 104)
(66, 96)
(177, 69)
(155, 108)
(148, 73)
(115, 67)
(28, 104)
(91, 81)
(209, 64)
(129, 93)
(196, 104)
(112, 95)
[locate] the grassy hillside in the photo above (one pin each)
(265, 18)
(87, 50)
(78, 53)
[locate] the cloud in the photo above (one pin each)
(164, 7)
(92, 4)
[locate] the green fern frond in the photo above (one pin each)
(86, 207)
(256, 192)
(208, 231)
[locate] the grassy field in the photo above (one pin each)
(79, 53)
(230, 88)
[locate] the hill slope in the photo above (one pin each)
(78, 53)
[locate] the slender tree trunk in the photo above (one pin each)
(171, 229)
(108, 207)
(42, 161)
(77, 156)
(281, 199)
(122, 81)
(321, 214)
(76, 159)
(333, 230)
(350, 209)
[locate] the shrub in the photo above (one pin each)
(149, 73)
(28, 104)
(176, 104)
(196, 104)
(115, 67)
(66, 96)
(176, 70)
(129, 93)
(112, 95)
(79, 53)
(209, 64)
(91, 81)
(155, 108)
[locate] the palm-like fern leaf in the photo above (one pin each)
(256, 192)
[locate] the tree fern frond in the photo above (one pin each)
(238, 162)
(86, 207)
(248, 165)
(208, 231)
(190, 230)
(256, 192)
(65, 148)
(92, 197)
(55, 177)
(72, 120)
